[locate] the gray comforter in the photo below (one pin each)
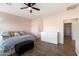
(9, 43)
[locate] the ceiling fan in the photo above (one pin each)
(30, 7)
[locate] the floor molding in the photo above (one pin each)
(77, 52)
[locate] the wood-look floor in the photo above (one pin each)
(48, 49)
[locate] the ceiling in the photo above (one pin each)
(45, 9)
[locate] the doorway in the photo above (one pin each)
(69, 43)
(68, 30)
(67, 34)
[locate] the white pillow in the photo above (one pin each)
(16, 34)
(4, 33)
(1, 38)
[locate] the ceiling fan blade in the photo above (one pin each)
(23, 7)
(33, 4)
(30, 11)
(36, 8)
(26, 4)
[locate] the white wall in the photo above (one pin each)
(10, 22)
(55, 22)
(52, 24)
(77, 37)
(34, 28)
(37, 26)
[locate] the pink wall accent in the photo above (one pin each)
(10, 22)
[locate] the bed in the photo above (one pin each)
(7, 47)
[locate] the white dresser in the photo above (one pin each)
(51, 37)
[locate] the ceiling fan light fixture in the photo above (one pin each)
(29, 8)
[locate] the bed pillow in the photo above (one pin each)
(4, 34)
(16, 34)
(11, 34)
(22, 33)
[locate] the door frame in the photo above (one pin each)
(70, 29)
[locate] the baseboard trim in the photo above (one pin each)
(49, 42)
(77, 52)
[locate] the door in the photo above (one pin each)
(68, 29)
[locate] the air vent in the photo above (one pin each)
(72, 7)
(8, 4)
